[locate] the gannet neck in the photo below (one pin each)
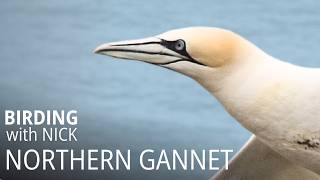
(238, 88)
(279, 103)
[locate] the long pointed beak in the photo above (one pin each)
(149, 50)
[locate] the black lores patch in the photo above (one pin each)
(179, 46)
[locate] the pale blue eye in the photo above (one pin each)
(179, 45)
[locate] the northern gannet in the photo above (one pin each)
(277, 101)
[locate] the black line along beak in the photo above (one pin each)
(151, 50)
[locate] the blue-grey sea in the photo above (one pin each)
(46, 62)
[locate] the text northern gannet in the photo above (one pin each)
(104, 159)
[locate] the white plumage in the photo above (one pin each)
(277, 101)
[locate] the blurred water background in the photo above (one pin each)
(46, 62)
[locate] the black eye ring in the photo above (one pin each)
(179, 45)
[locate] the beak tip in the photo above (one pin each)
(101, 49)
(96, 50)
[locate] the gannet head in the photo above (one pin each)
(195, 52)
